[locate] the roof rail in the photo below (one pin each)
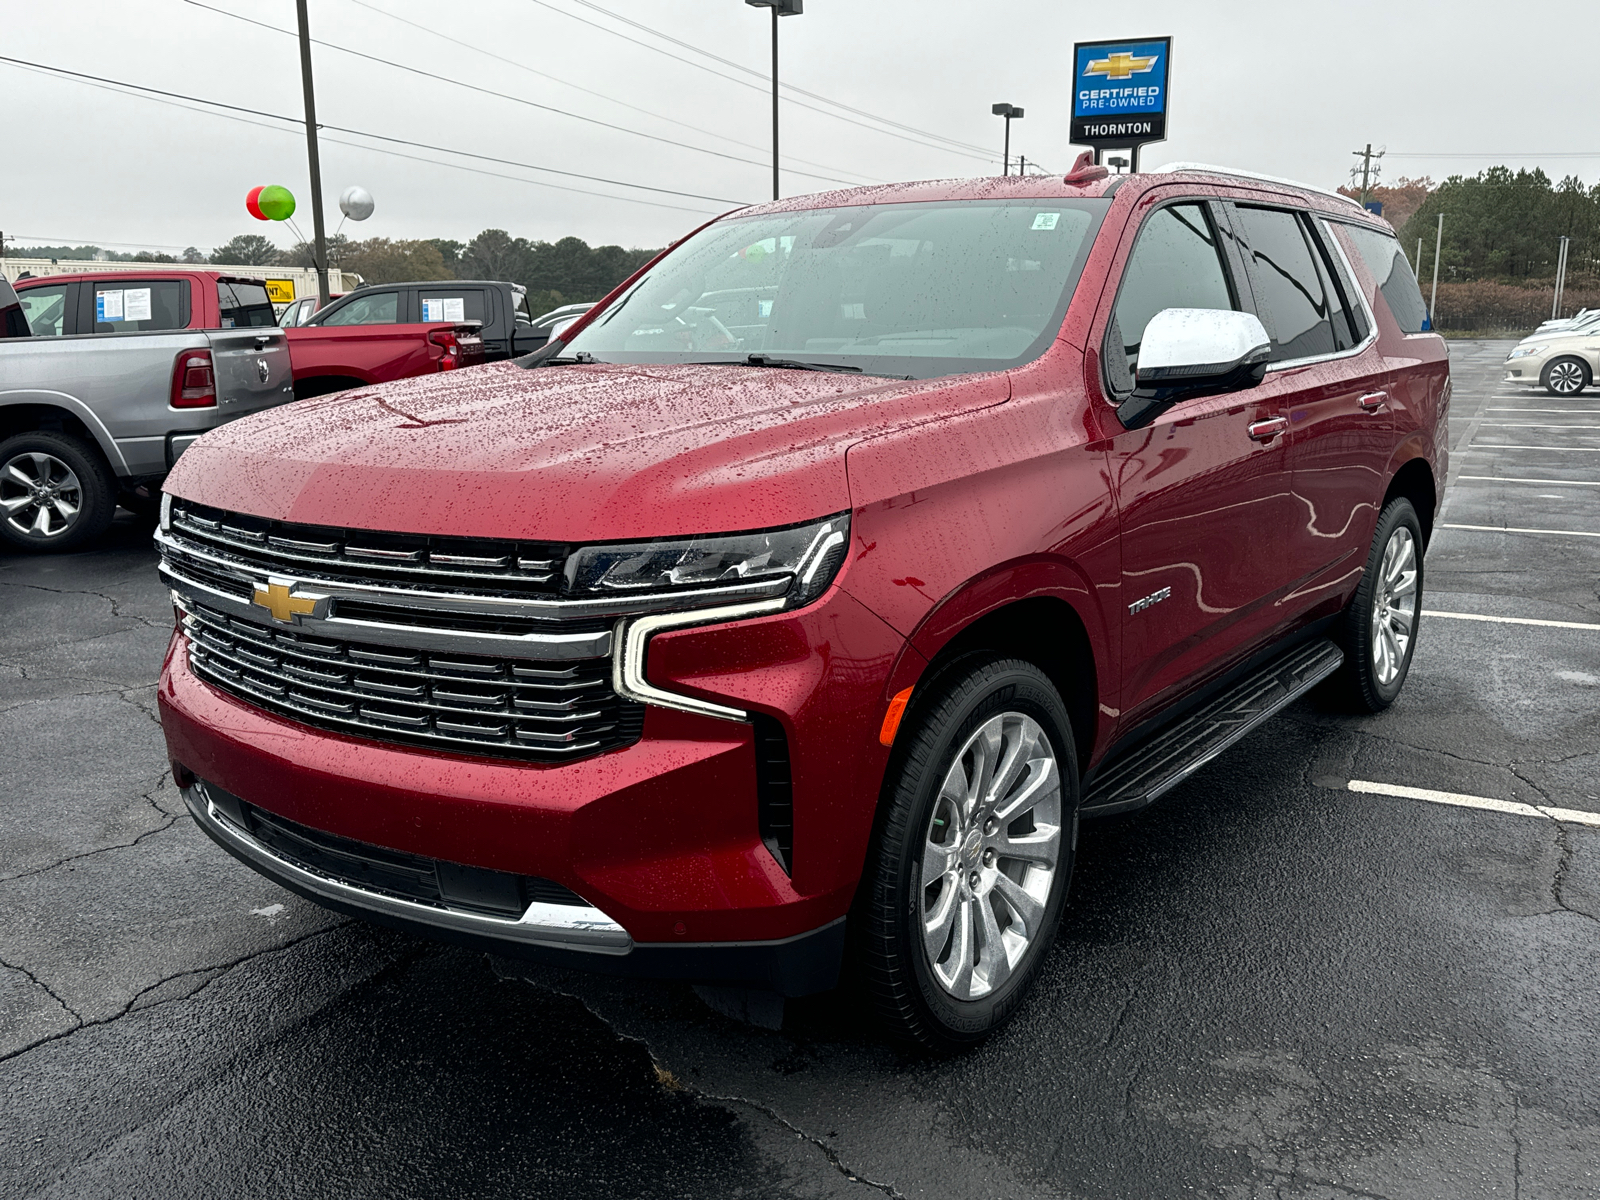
(1210, 169)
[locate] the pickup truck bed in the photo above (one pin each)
(331, 358)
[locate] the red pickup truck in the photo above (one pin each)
(821, 579)
(334, 357)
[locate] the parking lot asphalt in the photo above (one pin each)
(1268, 984)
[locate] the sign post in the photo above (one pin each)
(1119, 94)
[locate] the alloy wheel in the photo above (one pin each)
(1566, 377)
(40, 495)
(1394, 606)
(990, 854)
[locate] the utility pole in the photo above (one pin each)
(1419, 258)
(780, 8)
(1438, 244)
(1368, 172)
(1561, 279)
(1022, 164)
(319, 252)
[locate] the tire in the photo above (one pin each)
(1379, 628)
(55, 492)
(1566, 376)
(953, 987)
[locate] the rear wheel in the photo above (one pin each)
(1566, 376)
(1380, 626)
(971, 871)
(55, 491)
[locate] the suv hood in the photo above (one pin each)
(572, 453)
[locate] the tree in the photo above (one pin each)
(379, 260)
(449, 250)
(248, 250)
(147, 256)
(1400, 200)
(193, 254)
(494, 254)
(300, 255)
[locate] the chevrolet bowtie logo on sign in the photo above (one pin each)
(278, 597)
(1121, 66)
(1119, 92)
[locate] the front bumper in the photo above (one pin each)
(661, 838)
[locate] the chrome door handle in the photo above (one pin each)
(1265, 431)
(1373, 401)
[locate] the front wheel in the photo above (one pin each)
(1380, 626)
(976, 852)
(1566, 377)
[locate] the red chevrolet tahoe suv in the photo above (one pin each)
(800, 599)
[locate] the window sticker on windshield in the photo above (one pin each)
(108, 306)
(1046, 220)
(451, 308)
(136, 304)
(763, 308)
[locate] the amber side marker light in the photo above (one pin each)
(891, 719)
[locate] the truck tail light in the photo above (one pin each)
(194, 384)
(449, 349)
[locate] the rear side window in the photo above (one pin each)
(371, 308)
(140, 306)
(457, 304)
(46, 309)
(1389, 267)
(1290, 284)
(1176, 263)
(245, 305)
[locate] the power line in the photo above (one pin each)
(434, 33)
(987, 158)
(173, 97)
(472, 87)
(738, 66)
(1513, 154)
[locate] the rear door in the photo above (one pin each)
(245, 304)
(1333, 384)
(1203, 491)
(458, 303)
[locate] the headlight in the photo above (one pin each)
(1525, 351)
(810, 555)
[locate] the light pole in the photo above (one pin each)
(780, 8)
(1009, 112)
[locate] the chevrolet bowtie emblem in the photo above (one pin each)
(1120, 65)
(279, 598)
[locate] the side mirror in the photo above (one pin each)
(1188, 352)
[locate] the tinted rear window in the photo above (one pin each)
(1389, 267)
(1291, 287)
(140, 305)
(245, 305)
(369, 308)
(452, 304)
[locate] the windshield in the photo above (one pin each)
(915, 290)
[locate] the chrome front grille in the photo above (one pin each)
(506, 707)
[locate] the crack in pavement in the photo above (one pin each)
(168, 820)
(221, 970)
(112, 601)
(765, 1110)
(49, 991)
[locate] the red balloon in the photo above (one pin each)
(252, 203)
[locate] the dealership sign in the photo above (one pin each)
(1119, 93)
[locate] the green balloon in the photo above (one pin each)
(276, 203)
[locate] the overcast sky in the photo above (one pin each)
(1285, 88)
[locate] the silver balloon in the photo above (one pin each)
(356, 203)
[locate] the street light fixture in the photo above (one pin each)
(1118, 163)
(1010, 112)
(780, 8)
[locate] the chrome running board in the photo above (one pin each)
(1145, 772)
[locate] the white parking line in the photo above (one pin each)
(1550, 449)
(1515, 808)
(1562, 411)
(1508, 529)
(1455, 616)
(1547, 482)
(1532, 425)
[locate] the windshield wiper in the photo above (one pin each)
(581, 358)
(795, 364)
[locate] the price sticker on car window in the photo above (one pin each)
(136, 304)
(108, 306)
(452, 308)
(1045, 220)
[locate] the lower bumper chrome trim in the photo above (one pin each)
(557, 926)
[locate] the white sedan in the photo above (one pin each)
(1564, 363)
